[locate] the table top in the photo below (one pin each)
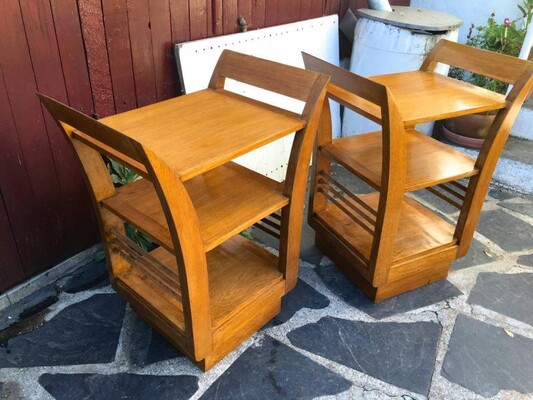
(200, 131)
(424, 97)
(427, 96)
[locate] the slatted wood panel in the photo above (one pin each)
(102, 57)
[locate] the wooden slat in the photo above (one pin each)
(317, 8)
(164, 65)
(35, 197)
(272, 12)
(11, 270)
(73, 59)
(230, 13)
(139, 204)
(419, 230)
(92, 25)
(179, 19)
(444, 197)
(232, 287)
(483, 62)
(75, 208)
(198, 19)
(142, 51)
(246, 11)
(258, 13)
(120, 57)
(429, 162)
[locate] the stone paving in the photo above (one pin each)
(467, 337)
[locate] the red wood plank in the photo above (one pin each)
(11, 271)
(92, 24)
(272, 12)
(165, 70)
(73, 205)
(258, 14)
(344, 7)
(72, 50)
(317, 8)
(245, 10)
(305, 9)
(179, 20)
(198, 19)
(332, 6)
(291, 11)
(216, 17)
(230, 13)
(115, 14)
(32, 206)
(142, 51)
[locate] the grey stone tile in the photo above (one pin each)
(273, 370)
(522, 208)
(339, 284)
(507, 294)
(119, 386)
(398, 353)
(435, 201)
(160, 349)
(35, 302)
(502, 194)
(509, 232)
(83, 333)
(302, 296)
(90, 276)
(485, 360)
(476, 256)
(526, 260)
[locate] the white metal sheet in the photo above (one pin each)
(284, 43)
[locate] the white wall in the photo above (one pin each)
(473, 11)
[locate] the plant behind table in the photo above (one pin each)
(506, 37)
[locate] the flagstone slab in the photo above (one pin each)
(526, 260)
(341, 286)
(302, 296)
(522, 208)
(93, 275)
(477, 255)
(83, 333)
(402, 354)
(272, 370)
(484, 359)
(119, 386)
(510, 233)
(507, 294)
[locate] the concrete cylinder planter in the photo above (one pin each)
(468, 130)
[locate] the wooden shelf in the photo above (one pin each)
(240, 272)
(198, 132)
(420, 231)
(227, 200)
(429, 162)
(427, 96)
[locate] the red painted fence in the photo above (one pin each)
(101, 57)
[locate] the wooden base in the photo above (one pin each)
(245, 288)
(427, 270)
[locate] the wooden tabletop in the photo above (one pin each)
(423, 97)
(427, 96)
(200, 131)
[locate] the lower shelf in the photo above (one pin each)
(420, 230)
(239, 271)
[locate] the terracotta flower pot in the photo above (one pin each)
(468, 130)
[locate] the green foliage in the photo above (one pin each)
(120, 174)
(505, 37)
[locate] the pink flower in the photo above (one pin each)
(507, 21)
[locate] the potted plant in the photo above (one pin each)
(504, 37)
